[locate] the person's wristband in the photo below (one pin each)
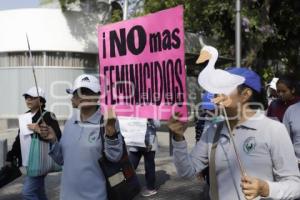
(113, 137)
(178, 138)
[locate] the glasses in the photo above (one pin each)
(83, 92)
(28, 97)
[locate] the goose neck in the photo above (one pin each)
(212, 61)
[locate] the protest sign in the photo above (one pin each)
(142, 70)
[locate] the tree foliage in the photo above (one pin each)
(270, 29)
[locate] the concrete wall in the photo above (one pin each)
(54, 80)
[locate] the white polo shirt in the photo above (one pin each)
(78, 151)
(266, 152)
(291, 120)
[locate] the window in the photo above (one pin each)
(60, 59)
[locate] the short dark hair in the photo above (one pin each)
(256, 97)
(290, 81)
(43, 103)
(42, 100)
(85, 91)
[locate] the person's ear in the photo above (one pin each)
(246, 94)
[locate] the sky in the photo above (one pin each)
(13, 4)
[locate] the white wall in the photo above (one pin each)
(54, 80)
(49, 30)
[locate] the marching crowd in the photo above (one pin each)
(245, 147)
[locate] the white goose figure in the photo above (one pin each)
(219, 81)
(216, 81)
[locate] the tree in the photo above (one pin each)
(270, 29)
(42, 2)
(284, 45)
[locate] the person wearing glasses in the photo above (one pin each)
(81, 145)
(34, 187)
(268, 166)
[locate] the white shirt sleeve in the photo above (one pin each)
(286, 172)
(189, 164)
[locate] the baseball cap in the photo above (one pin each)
(252, 79)
(206, 101)
(273, 82)
(85, 81)
(33, 92)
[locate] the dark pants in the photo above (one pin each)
(149, 156)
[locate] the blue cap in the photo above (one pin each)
(252, 79)
(206, 101)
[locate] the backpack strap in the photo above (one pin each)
(212, 164)
(102, 132)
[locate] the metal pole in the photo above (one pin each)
(125, 10)
(170, 144)
(238, 34)
(34, 76)
(241, 166)
(3, 152)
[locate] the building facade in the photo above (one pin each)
(63, 45)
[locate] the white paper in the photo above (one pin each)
(25, 136)
(133, 130)
(24, 120)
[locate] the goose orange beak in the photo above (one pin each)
(204, 56)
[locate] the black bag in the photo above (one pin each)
(9, 174)
(121, 180)
(150, 136)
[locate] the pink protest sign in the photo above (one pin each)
(142, 70)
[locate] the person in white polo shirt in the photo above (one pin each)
(291, 120)
(81, 144)
(34, 187)
(269, 165)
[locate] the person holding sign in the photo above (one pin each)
(34, 187)
(141, 140)
(81, 147)
(255, 160)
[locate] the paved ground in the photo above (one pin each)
(169, 185)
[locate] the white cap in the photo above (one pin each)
(272, 84)
(33, 92)
(85, 81)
